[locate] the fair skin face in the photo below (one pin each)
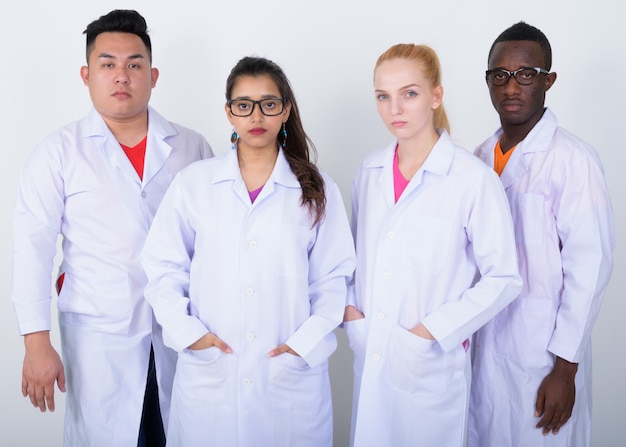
(120, 81)
(257, 150)
(520, 108)
(406, 101)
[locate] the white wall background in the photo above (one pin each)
(328, 49)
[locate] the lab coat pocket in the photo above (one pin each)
(102, 302)
(415, 364)
(428, 242)
(524, 329)
(201, 375)
(293, 384)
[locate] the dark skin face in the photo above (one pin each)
(520, 106)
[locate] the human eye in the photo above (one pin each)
(527, 74)
(241, 105)
(499, 75)
(410, 94)
(269, 104)
(108, 65)
(134, 66)
(382, 97)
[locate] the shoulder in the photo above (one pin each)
(379, 157)
(206, 169)
(463, 161)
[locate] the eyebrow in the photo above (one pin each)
(262, 97)
(131, 57)
(400, 89)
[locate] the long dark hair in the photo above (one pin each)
(299, 146)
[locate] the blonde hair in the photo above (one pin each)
(430, 66)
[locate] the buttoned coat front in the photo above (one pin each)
(443, 256)
(257, 275)
(79, 183)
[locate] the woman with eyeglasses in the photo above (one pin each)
(435, 261)
(248, 260)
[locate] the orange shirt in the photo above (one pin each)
(499, 159)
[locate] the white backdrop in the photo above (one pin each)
(328, 49)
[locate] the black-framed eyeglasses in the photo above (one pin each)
(245, 107)
(523, 76)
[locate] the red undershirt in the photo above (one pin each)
(137, 155)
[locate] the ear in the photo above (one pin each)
(437, 97)
(550, 79)
(286, 112)
(84, 74)
(155, 75)
(228, 114)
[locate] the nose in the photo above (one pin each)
(256, 114)
(395, 106)
(121, 76)
(512, 87)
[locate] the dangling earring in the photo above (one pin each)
(284, 136)
(233, 139)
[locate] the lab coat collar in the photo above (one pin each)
(438, 162)
(281, 174)
(537, 140)
(157, 148)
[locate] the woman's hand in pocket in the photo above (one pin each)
(209, 340)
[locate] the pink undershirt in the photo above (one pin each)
(399, 182)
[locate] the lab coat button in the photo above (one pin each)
(249, 336)
(386, 275)
(143, 194)
(376, 358)
(380, 316)
(391, 235)
(249, 291)
(246, 381)
(253, 244)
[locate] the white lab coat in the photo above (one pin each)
(257, 275)
(564, 230)
(79, 183)
(443, 255)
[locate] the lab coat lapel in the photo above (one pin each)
(438, 162)
(537, 140)
(112, 152)
(384, 162)
(281, 175)
(157, 148)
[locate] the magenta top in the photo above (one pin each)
(399, 182)
(254, 194)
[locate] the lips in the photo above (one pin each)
(257, 131)
(512, 106)
(398, 124)
(121, 94)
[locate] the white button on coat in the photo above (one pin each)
(202, 271)
(79, 182)
(451, 221)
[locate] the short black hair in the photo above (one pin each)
(118, 20)
(524, 31)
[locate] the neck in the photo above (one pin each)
(513, 133)
(256, 165)
(413, 153)
(130, 132)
